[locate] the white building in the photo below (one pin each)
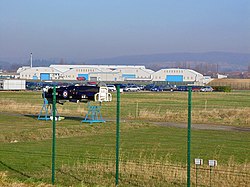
(176, 75)
(86, 72)
(110, 73)
(39, 73)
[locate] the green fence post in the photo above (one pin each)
(117, 134)
(53, 135)
(189, 136)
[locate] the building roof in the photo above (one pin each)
(64, 68)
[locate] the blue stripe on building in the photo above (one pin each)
(45, 76)
(129, 76)
(174, 78)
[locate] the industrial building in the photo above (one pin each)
(86, 72)
(110, 73)
(176, 75)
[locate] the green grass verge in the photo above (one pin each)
(88, 147)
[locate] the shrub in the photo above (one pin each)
(222, 88)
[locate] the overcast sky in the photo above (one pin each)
(84, 29)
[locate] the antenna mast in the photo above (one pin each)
(31, 60)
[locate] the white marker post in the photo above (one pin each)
(198, 162)
(211, 163)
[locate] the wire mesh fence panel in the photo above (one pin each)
(153, 144)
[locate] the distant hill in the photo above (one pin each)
(226, 61)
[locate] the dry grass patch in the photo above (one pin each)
(156, 173)
(8, 105)
(232, 117)
(6, 182)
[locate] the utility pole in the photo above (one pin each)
(189, 136)
(31, 60)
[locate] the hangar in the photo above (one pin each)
(176, 75)
(86, 72)
(111, 73)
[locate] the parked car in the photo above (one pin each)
(206, 89)
(142, 87)
(169, 87)
(196, 88)
(156, 89)
(132, 88)
(80, 78)
(182, 88)
(186, 88)
(111, 87)
(149, 86)
(121, 85)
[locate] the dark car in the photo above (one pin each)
(149, 86)
(121, 85)
(156, 89)
(182, 88)
(169, 87)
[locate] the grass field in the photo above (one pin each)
(210, 108)
(236, 84)
(151, 155)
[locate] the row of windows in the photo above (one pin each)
(173, 71)
(56, 75)
(25, 76)
(85, 70)
(69, 76)
(93, 70)
(186, 78)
